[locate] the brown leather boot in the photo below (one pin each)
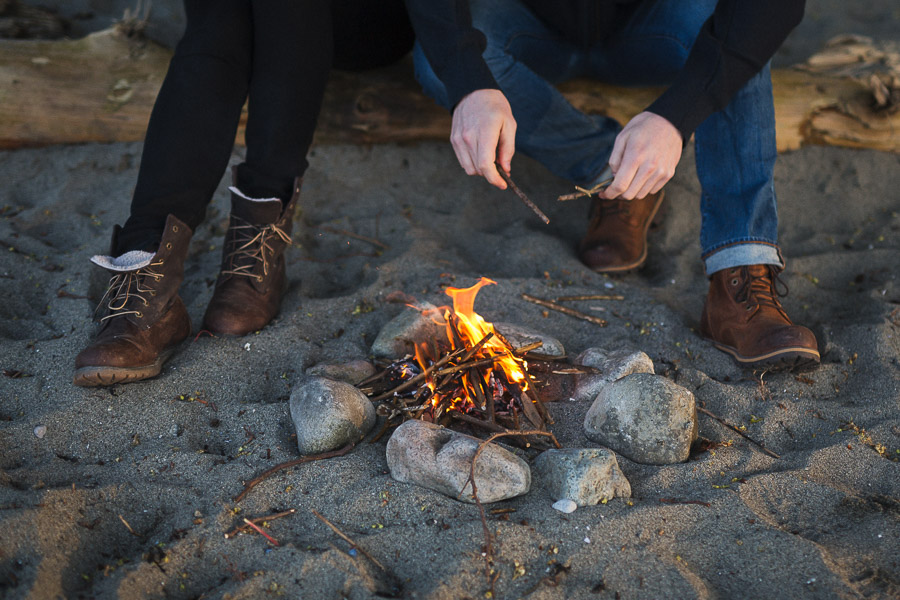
(252, 281)
(616, 239)
(144, 318)
(744, 318)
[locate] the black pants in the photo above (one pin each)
(277, 52)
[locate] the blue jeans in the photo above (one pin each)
(735, 147)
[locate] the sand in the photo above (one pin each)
(167, 456)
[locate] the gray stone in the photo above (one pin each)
(519, 336)
(644, 417)
(399, 336)
(565, 506)
(440, 459)
(586, 476)
(613, 365)
(348, 371)
(329, 414)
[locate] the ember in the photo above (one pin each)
(472, 375)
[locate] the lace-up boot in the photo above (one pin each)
(744, 318)
(143, 318)
(252, 281)
(616, 239)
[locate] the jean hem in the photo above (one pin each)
(736, 254)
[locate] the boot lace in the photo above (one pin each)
(251, 247)
(759, 291)
(127, 289)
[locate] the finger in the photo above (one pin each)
(637, 184)
(647, 188)
(486, 159)
(618, 152)
(463, 154)
(658, 186)
(507, 145)
(622, 182)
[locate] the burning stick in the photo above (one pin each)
(565, 310)
(418, 378)
(521, 195)
(259, 530)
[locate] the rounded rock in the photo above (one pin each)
(644, 417)
(329, 414)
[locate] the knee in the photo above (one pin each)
(229, 43)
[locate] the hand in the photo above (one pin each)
(484, 131)
(644, 157)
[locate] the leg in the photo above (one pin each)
(194, 121)
(736, 154)
(526, 58)
(292, 49)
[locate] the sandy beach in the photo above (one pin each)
(127, 491)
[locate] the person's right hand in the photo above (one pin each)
(484, 131)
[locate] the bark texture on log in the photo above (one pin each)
(101, 89)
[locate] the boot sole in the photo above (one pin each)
(103, 376)
(634, 266)
(786, 359)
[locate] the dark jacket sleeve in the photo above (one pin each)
(734, 45)
(452, 46)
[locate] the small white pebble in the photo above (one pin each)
(608, 285)
(41, 430)
(565, 505)
(587, 540)
(247, 346)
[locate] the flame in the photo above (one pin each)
(472, 328)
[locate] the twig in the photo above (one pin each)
(357, 236)
(522, 195)
(488, 544)
(476, 422)
(258, 520)
(528, 348)
(590, 297)
(587, 192)
(420, 377)
(259, 530)
(128, 527)
(565, 310)
(348, 539)
(291, 463)
(737, 431)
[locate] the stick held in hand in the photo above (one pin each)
(522, 195)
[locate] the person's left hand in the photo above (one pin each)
(644, 157)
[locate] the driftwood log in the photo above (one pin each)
(101, 89)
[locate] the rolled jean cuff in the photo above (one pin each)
(743, 253)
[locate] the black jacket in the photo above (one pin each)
(733, 45)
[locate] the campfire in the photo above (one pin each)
(470, 375)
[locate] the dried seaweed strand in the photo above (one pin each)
(292, 463)
(488, 543)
